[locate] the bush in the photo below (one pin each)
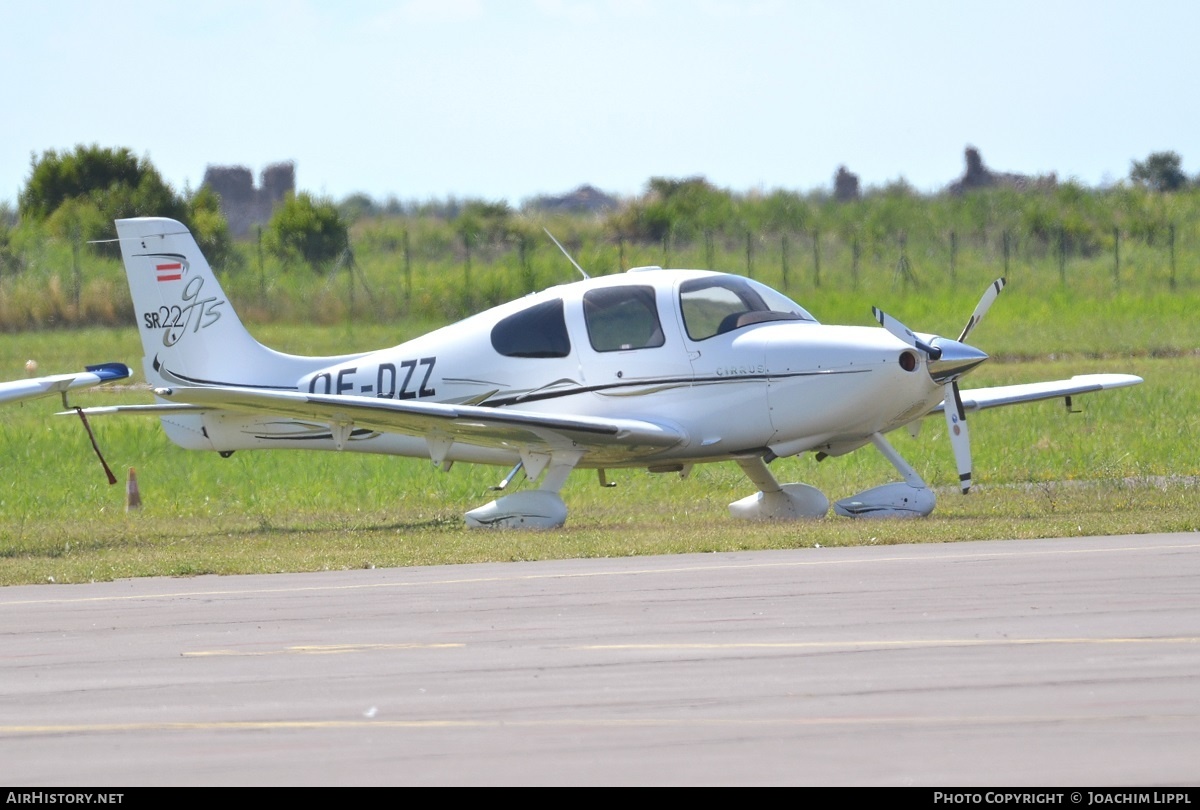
(104, 184)
(211, 230)
(1161, 171)
(308, 230)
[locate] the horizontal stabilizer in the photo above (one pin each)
(157, 409)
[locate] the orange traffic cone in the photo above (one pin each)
(133, 498)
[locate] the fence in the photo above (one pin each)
(404, 267)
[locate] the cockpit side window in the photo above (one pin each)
(622, 318)
(537, 331)
(720, 304)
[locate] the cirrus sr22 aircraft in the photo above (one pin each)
(655, 369)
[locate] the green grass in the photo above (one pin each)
(1126, 463)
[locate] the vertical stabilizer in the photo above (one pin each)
(190, 333)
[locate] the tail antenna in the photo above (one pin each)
(582, 272)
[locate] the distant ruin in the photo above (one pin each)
(583, 200)
(979, 176)
(845, 185)
(243, 205)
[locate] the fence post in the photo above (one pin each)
(468, 296)
(749, 256)
(1007, 252)
(904, 267)
(783, 247)
(262, 273)
(1062, 255)
(407, 270)
(526, 264)
(708, 250)
(855, 253)
(1116, 256)
(953, 257)
(816, 257)
(1171, 242)
(78, 276)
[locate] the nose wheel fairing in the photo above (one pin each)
(911, 497)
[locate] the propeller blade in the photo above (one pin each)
(960, 438)
(989, 295)
(905, 334)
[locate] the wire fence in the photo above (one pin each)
(401, 269)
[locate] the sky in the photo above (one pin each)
(509, 99)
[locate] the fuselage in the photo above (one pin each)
(733, 365)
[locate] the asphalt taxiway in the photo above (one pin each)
(1027, 662)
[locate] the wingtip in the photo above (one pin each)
(110, 371)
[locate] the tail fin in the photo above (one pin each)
(190, 333)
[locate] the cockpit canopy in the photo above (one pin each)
(622, 317)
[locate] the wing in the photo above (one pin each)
(60, 383)
(978, 399)
(598, 437)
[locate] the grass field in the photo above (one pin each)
(1126, 463)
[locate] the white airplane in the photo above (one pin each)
(16, 390)
(652, 368)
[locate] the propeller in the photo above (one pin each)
(947, 362)
(956, 419)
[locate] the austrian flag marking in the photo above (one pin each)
(172, 271)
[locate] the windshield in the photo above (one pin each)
(718, 304)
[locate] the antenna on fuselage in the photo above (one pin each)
(582, 272)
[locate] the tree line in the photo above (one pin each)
(71, 199)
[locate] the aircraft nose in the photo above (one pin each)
(956, 360)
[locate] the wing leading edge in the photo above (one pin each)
(979, 399)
